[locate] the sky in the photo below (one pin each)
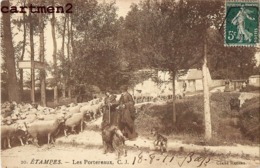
(123, 5)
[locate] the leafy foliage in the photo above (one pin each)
(229, 62)
(107, 51)
(95, 60)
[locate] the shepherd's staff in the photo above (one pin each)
(109, 113)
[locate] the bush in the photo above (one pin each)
(250, 88)
(249, 119)
(4, 95)
(226, 124)
(220, 103)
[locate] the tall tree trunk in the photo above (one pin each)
(32, 60)
(72, 49)
(42, 72)
(23, 51)
(8, 53)
(56, 98)
(207, 119)
(173, 98)
(72, 40)
(68, 53)
(64, 77)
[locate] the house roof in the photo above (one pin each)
(191, 75)
(254, 76)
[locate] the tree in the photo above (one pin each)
(23, 21)
(129, 41)
(9, 56)
(256, 70)
(172, 34)
(95, 59)
(229, 62)
(206, 96)
(61, 26)
(42, 71)
(69, 34)
(63, 57)
(20, 47)
(31, 33)
(55, 74)
(32, 23)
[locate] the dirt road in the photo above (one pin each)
(69, 156)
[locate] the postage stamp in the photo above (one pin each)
(242, 23)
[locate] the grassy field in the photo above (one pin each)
(228, 126)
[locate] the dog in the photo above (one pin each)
(113, 139)
(160, 141)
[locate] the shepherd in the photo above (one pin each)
(109, 109)
(127, 114)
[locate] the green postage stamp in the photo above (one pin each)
(242, 23)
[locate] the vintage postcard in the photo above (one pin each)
(130, 83)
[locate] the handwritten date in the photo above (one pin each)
(201, 160)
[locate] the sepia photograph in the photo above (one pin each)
(130, 84)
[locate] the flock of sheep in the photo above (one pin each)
(27, 122)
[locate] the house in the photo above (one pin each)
(254, 80)
(147, 88)
(237, 84)
(193, 79)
